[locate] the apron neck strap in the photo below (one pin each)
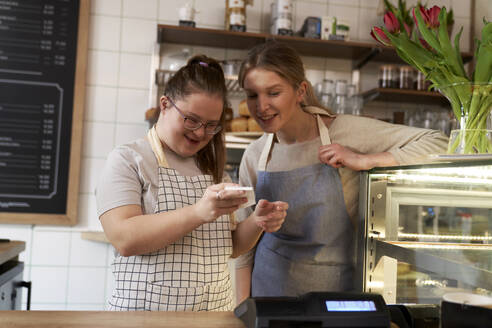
(156, 145)
(323, 133)
(266, 151)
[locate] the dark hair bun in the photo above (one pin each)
(205, 62)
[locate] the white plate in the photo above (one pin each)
(458, 157)
(467, 298)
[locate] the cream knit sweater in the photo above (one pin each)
(408, 145)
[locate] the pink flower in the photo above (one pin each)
(430, 16)
(433, 15)
(423, 13)
(378, 34)
(391, 22)
(408, 29)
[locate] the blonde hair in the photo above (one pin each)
(279, 58)
(203, 74)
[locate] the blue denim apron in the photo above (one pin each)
(313, 250)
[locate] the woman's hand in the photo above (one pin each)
(216, 201)
(337, 156)
(270, 215)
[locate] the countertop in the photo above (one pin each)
(109, 319)
(10, 250)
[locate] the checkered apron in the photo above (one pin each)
(189, 275)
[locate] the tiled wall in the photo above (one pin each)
(70, 273)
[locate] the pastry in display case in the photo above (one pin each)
(426, 231)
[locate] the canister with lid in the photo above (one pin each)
(281, 17)
(235, 15)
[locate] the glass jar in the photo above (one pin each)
(406, 77)
(420, 82)
(318, 90)
(341, 105)
(341, 87)
(351, 90)
(388, 76)
(327, 93)
(355, 101)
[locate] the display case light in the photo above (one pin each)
(442, 237)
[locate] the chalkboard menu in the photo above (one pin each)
(41, 101)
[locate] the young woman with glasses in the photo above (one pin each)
(163, 205)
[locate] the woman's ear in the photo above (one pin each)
(301, 92)
(163, 103)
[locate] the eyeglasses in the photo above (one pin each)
(193, 124)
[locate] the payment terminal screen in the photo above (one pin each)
(346, 306)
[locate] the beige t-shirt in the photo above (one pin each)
(408, 145)
(130, 176)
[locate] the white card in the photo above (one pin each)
(250, 194)
(238, 188)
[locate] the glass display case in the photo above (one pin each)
(426, 230)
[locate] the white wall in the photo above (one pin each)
(69, 273)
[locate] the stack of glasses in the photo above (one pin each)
(340, 97)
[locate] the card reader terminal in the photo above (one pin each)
(315, 309)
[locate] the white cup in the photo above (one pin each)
(187, 13)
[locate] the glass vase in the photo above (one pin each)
(472, 105)
(470, 141)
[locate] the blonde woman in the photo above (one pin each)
(310, 159)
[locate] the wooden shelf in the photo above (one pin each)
(359, 52)
(403, 95)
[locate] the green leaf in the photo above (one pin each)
(419, 55)
(426, 33)
(401, 20)
(487, 32)
(389, 6)
(447, 50)
(450, 17)
(457, 47)
(407, 14)
(401, 6)
(458, 94)
(407, 59)
(483, 67)
(477, 46)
